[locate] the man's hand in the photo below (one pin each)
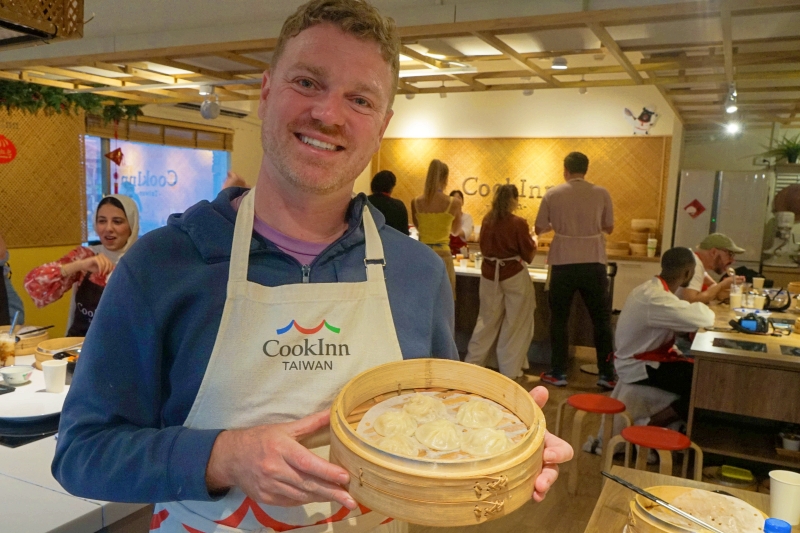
(556, 451)
(271, 467)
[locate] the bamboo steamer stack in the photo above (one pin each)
(27, 343)
(641, 228)
(47, 349)
(617, 248)
(641, 519)
(430, 492)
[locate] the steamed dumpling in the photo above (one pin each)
(393, 423)
(479, 414)
(485, 441)
(440, 435)
(399, 445)
(425, 408)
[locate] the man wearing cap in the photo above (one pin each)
(716, 253)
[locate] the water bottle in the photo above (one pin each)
(776, 525)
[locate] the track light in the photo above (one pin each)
(210, 109)
(730, 100)
(206, 90)
(442, 95)
(527, 92)
(559, 63)
(733, 127)
(582, 90)
(410, 96)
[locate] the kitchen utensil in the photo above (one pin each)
(37, 330)
(659, 501)
(13, 324)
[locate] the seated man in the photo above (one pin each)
(716, 253)
(646, 333)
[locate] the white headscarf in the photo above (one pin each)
(132, 214)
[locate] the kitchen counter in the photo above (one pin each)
(27, 488)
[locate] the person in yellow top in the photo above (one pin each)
(437, 215)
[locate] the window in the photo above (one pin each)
(161, 179)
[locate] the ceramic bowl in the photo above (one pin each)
(742, 311)
(16, 374)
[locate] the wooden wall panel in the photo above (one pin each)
(43, 190)
(633, 169)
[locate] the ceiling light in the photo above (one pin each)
(210, 109)
(442, 95)
(410, 96)
(559, 63)
(733, 127)
(730, 100)
(437, 71)
(527, 92)
(582, 90)
(205, 90)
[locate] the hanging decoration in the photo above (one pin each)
(116, 156)
(7, 150)
(32, 98)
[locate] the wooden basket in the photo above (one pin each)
(46, 349)
(27, 343)
(640, 520)
(427, 492)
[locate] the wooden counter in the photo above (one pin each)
(611, 511)
(737, 375)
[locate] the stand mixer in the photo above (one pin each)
(783, 252)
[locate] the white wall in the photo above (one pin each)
(547, 113)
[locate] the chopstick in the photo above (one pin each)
(37, 330)
(659, 501)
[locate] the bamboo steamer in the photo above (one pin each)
(793, 287)
(27, 343)
(46, 349)
(638, 249)
(639, 237)
(436, 493)
(641, 520)
(644, 224)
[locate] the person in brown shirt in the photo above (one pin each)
(506, 291)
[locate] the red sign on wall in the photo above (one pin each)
(7, 150)
(694, 208)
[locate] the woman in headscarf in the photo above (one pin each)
(86, 269)
(437, 215)
(506, 292)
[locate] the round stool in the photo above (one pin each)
(588, 403)
(664, 441)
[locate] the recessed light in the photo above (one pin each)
(733, 128)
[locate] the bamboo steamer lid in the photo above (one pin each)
(27, 343)
(443, 493)
(641, 520)
(638, 249)
(644, 224)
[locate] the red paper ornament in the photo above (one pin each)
(116, 156)
(7, 150)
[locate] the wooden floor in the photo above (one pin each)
(559, 512)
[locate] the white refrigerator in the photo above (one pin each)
(730, 202)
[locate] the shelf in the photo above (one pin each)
(724, 438)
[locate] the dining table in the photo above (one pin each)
(31, 499)
(610, 513)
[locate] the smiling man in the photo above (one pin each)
(223, 338)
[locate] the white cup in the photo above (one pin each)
(759, 301)
(652, 244)
(55, 375)
(758, 283)
(784, 496)
(736, 300)
(464, 263)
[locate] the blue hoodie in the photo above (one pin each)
(121, 436)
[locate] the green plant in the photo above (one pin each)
(787, 148)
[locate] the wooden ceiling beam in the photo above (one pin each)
(169, 62)
(422, 58)
(153, 76)
(76, 75)
(727, 38)
(244, 60)
(515, 56)
(613, 48)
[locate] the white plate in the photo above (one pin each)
(27, 407)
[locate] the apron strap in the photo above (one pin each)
(374, 259)
(501, 262)
(242, 235)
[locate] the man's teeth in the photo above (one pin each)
(318, 144)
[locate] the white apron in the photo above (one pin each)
(282, 353)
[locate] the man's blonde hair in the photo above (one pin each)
(355, 17)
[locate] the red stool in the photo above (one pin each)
(588, 403)
(662, 440)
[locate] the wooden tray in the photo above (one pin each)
(436, 493)
(791, 454)
(27, 343)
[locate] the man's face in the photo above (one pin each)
(722, 260)
(688, 274)
(324, 109)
